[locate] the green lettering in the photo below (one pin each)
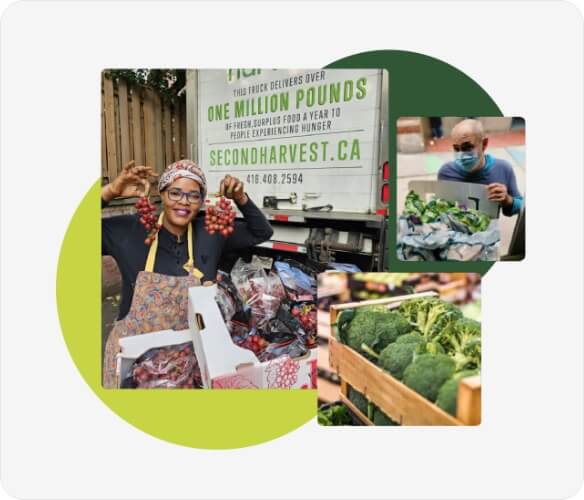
(212, 158)
(302, 152)
(227, 155)
(273, 154)
(310, 97)
(284, 101)
(348, 90)
(335, 89)
(361, 88)
(324, 145)
(239, 109)
(322, 95)
(244, 156)
(355, 150)
(313, 151)
(283, 153)
(263, 155)
(293, 149)
(342, 149)
(299, 97)
(254, 156)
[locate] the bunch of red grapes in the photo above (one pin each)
(147, 212)
(254, 343)
(220, 218)
(306, 315)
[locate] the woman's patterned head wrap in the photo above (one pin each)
(183, 168)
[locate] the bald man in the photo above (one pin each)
(471, 164)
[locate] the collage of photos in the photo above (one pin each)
(245, 240)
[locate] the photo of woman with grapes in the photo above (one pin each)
(161, 256)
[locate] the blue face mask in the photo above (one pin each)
(466, 160)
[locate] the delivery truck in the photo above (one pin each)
(311, 147)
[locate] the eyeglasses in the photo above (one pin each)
(175, 194)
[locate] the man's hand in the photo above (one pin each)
(232, 188)
(498, 193)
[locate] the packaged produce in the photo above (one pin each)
(168, 367)
(292, 348)
(299, 282)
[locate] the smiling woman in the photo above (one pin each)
(157, 271)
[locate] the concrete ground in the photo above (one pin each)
(425, 166)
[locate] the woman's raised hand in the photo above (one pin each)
(233, 188)
(132, 181)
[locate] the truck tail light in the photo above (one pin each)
(386, 171)
(385, 193)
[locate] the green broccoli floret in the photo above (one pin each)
(462, 341)
(408, 338)
(427, 374)
(376, 330)
(359, 400)
(355, 332)
(395, 358)
(380, 418)
(448, 393)
(431, 347)
(430, 315)
(343, 321)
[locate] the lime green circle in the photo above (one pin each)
(211, 419)
(227, 419)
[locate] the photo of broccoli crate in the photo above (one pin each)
(415, 358)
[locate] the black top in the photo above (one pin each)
(123, 238)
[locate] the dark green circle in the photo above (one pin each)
(421, 85)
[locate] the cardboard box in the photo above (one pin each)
(131, 348)
(225, 365)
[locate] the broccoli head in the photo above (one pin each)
(448, 393)
(430, 315)
(427, 374)
(431, 347)
(409, 338)
(395, 358)
(376, 330)
(343, 321)
(462, 340)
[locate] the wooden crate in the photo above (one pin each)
(398, 401)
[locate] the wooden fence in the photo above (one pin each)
(136, 124)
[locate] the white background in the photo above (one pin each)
(60, 441)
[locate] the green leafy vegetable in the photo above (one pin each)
(432, 211)
(448, 393)
(375, 329)
(428, 373)
(337, 414)
(462, 341)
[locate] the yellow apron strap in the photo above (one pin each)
(189, 267)
(152, 252)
